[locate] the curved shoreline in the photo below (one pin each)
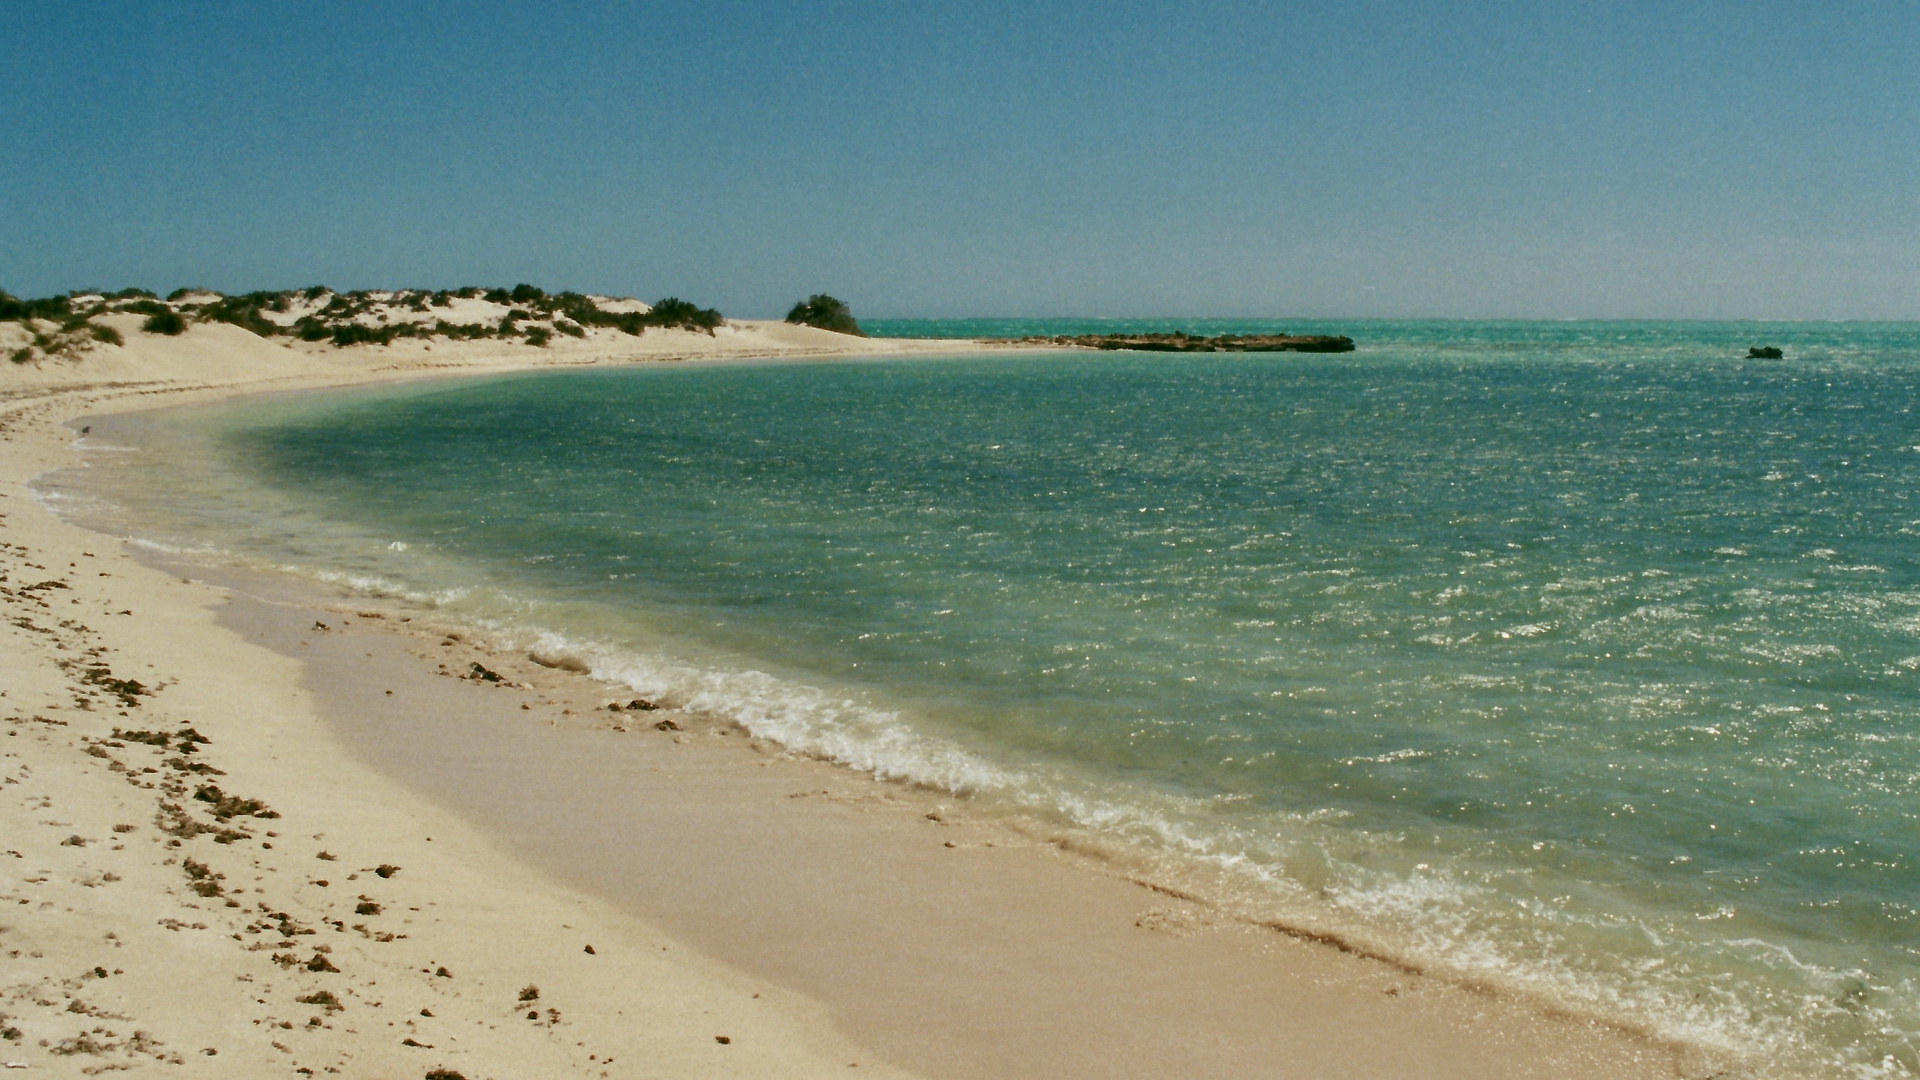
(1013, 930)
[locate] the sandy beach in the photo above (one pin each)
(255, 828)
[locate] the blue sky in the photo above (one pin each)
(1470, 159)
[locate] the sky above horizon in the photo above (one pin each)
(1467, 159)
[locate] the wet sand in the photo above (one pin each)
(951, 944)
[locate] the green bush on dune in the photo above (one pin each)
(244, 311)
(14, 309)
(668, 313)
(166, 322)
(674, 313)
(356, 334)
(461, 331)
(826, 313)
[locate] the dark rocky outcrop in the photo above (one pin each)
(1764, 352)
(1181, 342)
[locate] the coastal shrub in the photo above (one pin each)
(524, 293)
(627, 322)
(244, 312)
(14, 309)
(584, 312)
(315, 292)
(131, 294)
(355, 334)
(106, 335)
(146, 307)
(499, 296)
(461, 331)
(674, 312)
(670, 312)
(826, 313)
(180, 293)
(166, 322)
(538, 335)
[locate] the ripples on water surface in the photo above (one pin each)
(1580, 656)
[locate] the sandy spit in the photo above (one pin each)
(215, 862)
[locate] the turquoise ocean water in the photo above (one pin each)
(1580, 658)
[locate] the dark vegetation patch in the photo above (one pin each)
(826, 313)
(169, 323)
(53, 308)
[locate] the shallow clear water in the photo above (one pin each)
(1579, 657)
